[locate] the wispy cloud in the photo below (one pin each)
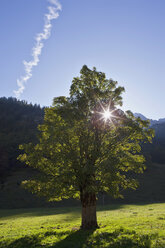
(53, 13)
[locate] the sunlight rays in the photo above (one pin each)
(106, 113)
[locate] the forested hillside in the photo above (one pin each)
(18, 125)
(155, 152)
(158, 146)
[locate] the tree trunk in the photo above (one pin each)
(89, 219)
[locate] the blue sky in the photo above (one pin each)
(123, 38)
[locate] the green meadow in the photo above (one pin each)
(120, 226)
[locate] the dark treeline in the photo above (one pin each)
(157, 148)
(18, 125)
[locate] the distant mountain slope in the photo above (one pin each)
(153, 122)
(140, 115)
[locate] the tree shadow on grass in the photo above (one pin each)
(119, 238)
(77, 239)
(74, 239)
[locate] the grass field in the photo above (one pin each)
(120, 226)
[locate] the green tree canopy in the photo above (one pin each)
(87, 145)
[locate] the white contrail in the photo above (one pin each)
(53, 13)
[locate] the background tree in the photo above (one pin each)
(87, 145)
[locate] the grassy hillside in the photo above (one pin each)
(150, 190)
(13, 195)
(120, 226)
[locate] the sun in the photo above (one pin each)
(106, 115)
